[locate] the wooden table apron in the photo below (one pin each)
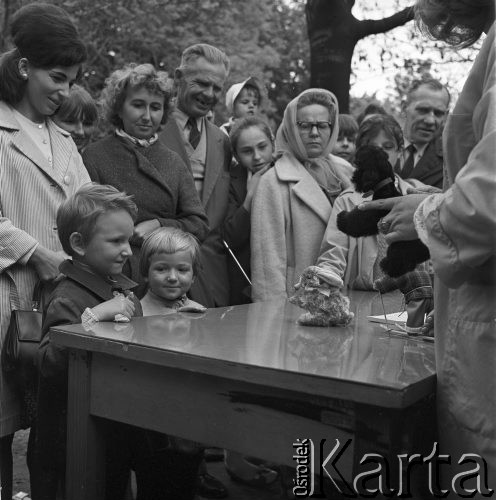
(248, 378)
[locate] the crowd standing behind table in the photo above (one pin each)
(457, 226)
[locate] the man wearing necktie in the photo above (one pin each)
(199, 81)
(425, 110)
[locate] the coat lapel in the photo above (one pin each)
(60, 141)
(171, 137)
(62, 151)
(304, 186)
(214, 161)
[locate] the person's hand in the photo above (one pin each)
(46, 263)
(251, 188)
(428, 327)
(398, 224)
(143, 229)
(108, 310)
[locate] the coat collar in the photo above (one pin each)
(94, 283)
(289, 169)
(61, 142)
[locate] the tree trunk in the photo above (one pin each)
(333, 32)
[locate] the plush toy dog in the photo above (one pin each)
(318, 293)
(374, 174)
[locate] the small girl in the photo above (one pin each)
(345, 146)
(78, 115)
(242, 100)
(253, 146)
(169, 261)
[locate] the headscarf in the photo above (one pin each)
(288, 141)
(235, 90)
(288, 136)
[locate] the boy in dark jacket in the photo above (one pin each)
(94, 228)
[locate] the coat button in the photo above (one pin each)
(67, 180)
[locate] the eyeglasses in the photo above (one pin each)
(308, 126)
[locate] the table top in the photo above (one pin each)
(262, 343)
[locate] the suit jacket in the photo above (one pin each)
(30, 193)
(236, 233)
(429, 169)
(211, 287)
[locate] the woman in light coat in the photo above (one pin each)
(459, 227)
(39, 168)
(294, 199)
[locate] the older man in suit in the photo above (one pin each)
(425, 110)
(199, 81)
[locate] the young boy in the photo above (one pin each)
(242, 100)
(169, 261)
(94, 228)
(345, 146)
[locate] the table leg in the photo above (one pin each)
(85, 445)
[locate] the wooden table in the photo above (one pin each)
(249, 378)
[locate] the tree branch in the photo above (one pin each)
(372, 27)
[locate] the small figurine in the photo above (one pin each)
(318, 293)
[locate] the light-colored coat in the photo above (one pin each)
(30, 192)
(462, 242)
(288, 220)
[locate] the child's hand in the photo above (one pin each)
(106, 311)
(252, 186)
(428, 327)
(143, 229)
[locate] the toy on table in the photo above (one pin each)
(317, 291)
(374, 174)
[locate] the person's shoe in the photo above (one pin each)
(213, 454)
(263, 478)
(210, 487)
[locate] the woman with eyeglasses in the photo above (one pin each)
(294, 199)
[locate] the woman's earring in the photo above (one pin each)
(24, 76)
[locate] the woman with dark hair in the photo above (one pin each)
(136, 102)
(78, 115)
(39, 167)
(293, 200)
(459, 228)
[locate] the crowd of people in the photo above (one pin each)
(169, 212)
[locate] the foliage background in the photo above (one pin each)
(266, 39)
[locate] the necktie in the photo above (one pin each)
(194, 133)
(409, 162)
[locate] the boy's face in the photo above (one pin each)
(345, 146)
(388, 144)
(171, 275)
(108, 248)
(246, 104)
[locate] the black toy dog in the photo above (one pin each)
(374, 174)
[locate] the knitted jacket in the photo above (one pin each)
(162, 185)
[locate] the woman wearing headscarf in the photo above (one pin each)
(294, 199)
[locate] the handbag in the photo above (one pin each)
(20, 348)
